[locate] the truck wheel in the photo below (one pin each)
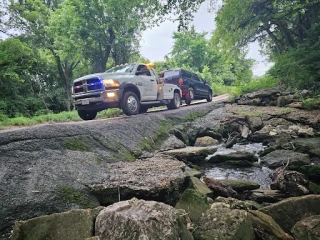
(175, 102)
(87, 115)
(191, 94)
(143, 109)
(130, 104)
(209, 97)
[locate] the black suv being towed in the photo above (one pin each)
(191, 84)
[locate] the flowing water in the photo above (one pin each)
(260, 175)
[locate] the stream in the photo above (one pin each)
(260, 175)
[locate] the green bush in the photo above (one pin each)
(311, 103)
(259, 83)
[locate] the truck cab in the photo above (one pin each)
(132, 87)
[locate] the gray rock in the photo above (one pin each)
(205, 141)
(307, 229)
(280, 158)
(245, 131)
(284, 100)
(160, 178)
(255, 123)
(307, 145)
(138, 219)
(224, 223)
(219, 188)
(292, 210)
(196, 184)
(291, 183)
(172, 143)
(191, 154)
(234, 156)
(266, 196)
(73, 225)
(240, 185)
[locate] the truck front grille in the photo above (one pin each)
(87, 85)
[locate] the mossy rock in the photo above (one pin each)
(72, 225)
(290, 211)
(193, 203)
(266, 227)
(191, 154)
(310, 171)
(199, 186)
(241, 185)
(234, 156)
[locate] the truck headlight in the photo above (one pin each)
(110, 83)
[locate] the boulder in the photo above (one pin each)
(172, 143)
(138, 219)
(265, 93)
(266, 228)
(298, 105)
(160, 178)
(301, 131)
(280, 158)
(307, 145)
(245, 131)
(290, 211)
(314, 188)
(266, 196)
(255, 123)
(196, 184)
(291, 183)
(194, 203)
(240, 185)
(205, 141)
(234, 156)
(284, 100)
(191, 154)
(219, 188)
(307, 229)
(75, 224)
(221, 222)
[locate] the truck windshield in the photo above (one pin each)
(122, 69)
(171, 73)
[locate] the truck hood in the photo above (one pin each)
(105, 75)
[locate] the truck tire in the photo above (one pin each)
(143, 109)
(175, 102)
(87, 115)
(191, 94)
(130, 103)
(209, 97)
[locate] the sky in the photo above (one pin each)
(157, 42)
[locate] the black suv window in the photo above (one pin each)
(186, 74)
(196, 77)
(171, 73)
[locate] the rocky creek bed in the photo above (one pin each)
(224, 171)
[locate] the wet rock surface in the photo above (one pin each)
(280, 158)
(191, 154)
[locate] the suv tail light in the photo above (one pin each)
(180, 81)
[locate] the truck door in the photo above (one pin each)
(148, 87)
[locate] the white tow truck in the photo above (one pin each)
(132, 87)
